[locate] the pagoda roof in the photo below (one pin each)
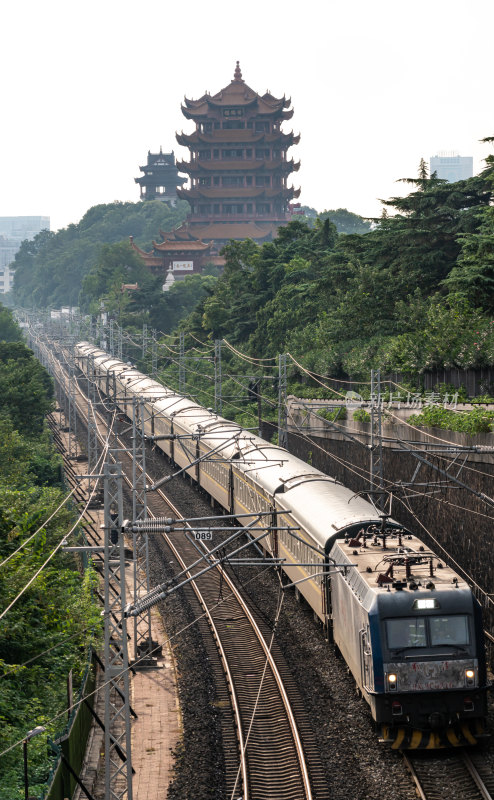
(218, 260)
(240, 192)
(189, 244)
(139, 249)
(238, 94)
(239, 164)
(237, 230)
(153, 168)
(181, 234)
(161, 156)
(268, 97)
(150, 179)
(149, 258)
(152, 260)
(236, 136)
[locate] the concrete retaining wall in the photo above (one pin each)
(451, 518)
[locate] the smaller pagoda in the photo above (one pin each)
(160, 179)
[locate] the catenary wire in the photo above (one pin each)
(53, 552)
(136, 662)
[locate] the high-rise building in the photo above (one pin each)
(451, 166)
(13, 231)
(7, 255)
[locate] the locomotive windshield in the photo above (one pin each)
(410, 632)
(407, 632)
(449, 630)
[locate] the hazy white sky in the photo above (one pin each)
(88, 88)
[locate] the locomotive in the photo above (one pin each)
(408, 627)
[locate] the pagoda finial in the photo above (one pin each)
(237, 75)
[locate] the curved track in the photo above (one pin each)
(264, 758)
(462, 775)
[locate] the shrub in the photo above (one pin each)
(361, 415)
(332, 414)
(476, 421)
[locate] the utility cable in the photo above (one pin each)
(18, 667)
(53, 552)
(53, 514)
(203, 344)
(168, 640)
(281, 598)
(365, 473)
(359, 471)
(309, 373)
(448, 556)
(250, 358)
(67, 498)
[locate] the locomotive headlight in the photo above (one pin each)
(392, 681)
(469, 677)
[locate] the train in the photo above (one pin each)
(408, 627)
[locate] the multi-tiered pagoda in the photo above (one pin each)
(238, 172)
(160, 177)
(238, 165)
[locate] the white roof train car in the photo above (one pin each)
(408, 627)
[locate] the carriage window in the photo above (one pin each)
(408, 632)
(449, 630)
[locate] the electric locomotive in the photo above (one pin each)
(407, 626)
(411, 632)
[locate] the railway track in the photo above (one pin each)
(460, 776)
(268, 752)
(271, 761)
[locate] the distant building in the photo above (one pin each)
(161, 178)
(6, 272)
(13, 231)
(452, 167)
(21, 228)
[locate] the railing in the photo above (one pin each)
(72, 740)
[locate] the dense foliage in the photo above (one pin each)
(119, 265)
(409, 295)
(344, 220)
(478, 420)
(57, 609)
(50, 268)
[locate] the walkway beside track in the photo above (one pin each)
(157, 730)
(158, 727)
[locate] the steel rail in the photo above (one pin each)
(233, 696)
(219, 645)
(260, 638)
(462, 760)
(415, 777)
(472, 769)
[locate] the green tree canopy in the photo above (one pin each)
(26, 390)
(346, 221)
(117, 264)
(473, 274)
(54, 617)
(175, 304)
(50, 269)
(384, 298)
(9, 329)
